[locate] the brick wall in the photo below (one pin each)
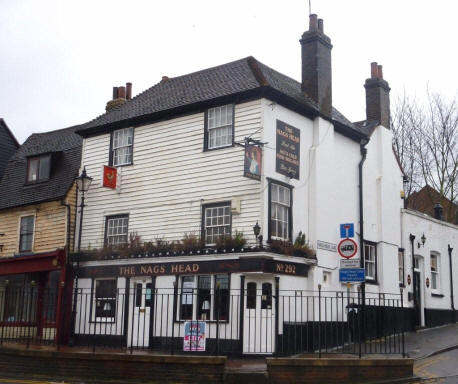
(116, 368)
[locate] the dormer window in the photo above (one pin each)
(38, 168)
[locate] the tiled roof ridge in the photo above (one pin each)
(73, 127)
(118, 107)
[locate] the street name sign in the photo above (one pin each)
(347, 248)
(351, 275)
(350, 263)
(326, 246)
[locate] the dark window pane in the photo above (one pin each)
(45, 166)
(105, 298)
(203, 297)
(266, 298)
(222, 297)
(33, 170)
(138, 295)
(251, 296)
(148, 294)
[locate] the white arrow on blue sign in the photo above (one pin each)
(347, 230)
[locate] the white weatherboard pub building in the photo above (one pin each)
(223, 151)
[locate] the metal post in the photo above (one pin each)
(29, 315)
(277, 317)
(452, 302)
(218, 303)
(402, 325)
(242, 312)
(319, 320)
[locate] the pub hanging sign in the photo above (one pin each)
(288, 150)
(253, 159)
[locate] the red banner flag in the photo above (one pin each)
(109, 177)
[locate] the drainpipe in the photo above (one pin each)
(450, 249)
(363, 151)
(414, 276)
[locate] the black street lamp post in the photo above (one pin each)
(83, 182)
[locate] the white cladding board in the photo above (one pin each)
(171, 177)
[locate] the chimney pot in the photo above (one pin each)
(374, 70)
(377, 97)
(164, 79)
(313, 22)
(128, 91)
(121, 92)
(438, 210)
(115, 93)
(320, 25)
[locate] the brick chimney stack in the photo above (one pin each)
(377, 97)
(316, 65)
(120, 96)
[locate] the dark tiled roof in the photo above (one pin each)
(367, 127)
(65, 146)
(8, 145)
(231, 79)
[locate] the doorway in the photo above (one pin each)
(259, 316)
(140, 304)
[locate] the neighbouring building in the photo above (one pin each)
(429, 201)
(8, 145)
(37, 222)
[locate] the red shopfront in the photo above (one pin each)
(32, 290)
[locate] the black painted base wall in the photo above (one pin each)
(436, 317)
(312, 336)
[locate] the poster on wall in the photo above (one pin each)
(194, 336)
(288, 150)
(253, 161)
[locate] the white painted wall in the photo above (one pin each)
(438, 235)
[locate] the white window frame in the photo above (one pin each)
(371, 260)
(210, 207)
(285, 205)
(220, 119)
(104, 319)
(401, 266)
(435, 272)
(107, 226)
(129, 132)
(33, 233)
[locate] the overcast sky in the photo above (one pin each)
(59, 59)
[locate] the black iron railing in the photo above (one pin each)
(251, 321)
(258, 319)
